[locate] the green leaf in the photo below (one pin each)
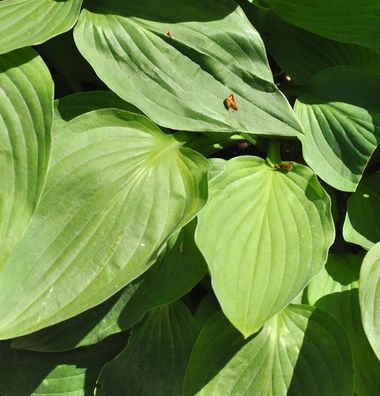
(301, 351)
(71, 106)
(155, 359)
(207, 307)
(74, 373)
(26, 106)
(369, 294)
(340, 20)
(30, 22)
(117, 189)
(277, 228)
(215, 346)
(176, 273)
(340, 114)
(362, 222)
(335, 290)
(181, 81)
(305, 54)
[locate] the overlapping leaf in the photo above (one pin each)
(29, 22)
(178, 61)
(340, 114)
(155, 359)
(335, 290)
(264, 234)
(369, 294)
(74, 373)
(341, 20)
(301, 351)
(362, 223)
(26, 106)
(118, 188)
(305, 54)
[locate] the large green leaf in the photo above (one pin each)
(176, 273)
(335, 289)
(26, 106)
(117, 189)
(369, 294)
(181, 81)
(301, 351)
(155, 359)
(276, 230)
(29, 22)
(362, 223)
(354, 22)
(306, 54)
(340, 114)
(74, 373)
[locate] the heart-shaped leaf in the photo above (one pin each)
(26, 107)
(277, 228)
(117, 189)
(154, 362)
(335, 290)
(369, 294)
(29, 22)
(301, 351)
(341, 20)
(362, 223)
(179, 60)
(340, 114)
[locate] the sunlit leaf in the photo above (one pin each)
(369, 294)
(264, 234)
(301, 351)
(178, 61)
(117, 189)
(29, 22)
(26, 106)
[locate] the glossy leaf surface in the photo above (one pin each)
(26, 106)
(30, 22)
(178, 61)
(264, 234)
(301, 351)
(118, 188)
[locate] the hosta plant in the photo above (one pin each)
(189, 197)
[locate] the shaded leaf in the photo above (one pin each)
(339, 111)
(362, 222)
(277, 228)
(335, 290)
(301, 351)
(155, 359)
(341, 20)
(305, 54)
(24, 373)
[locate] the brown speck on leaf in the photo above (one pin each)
(285, 166)
(170, 34)
(230, 102)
